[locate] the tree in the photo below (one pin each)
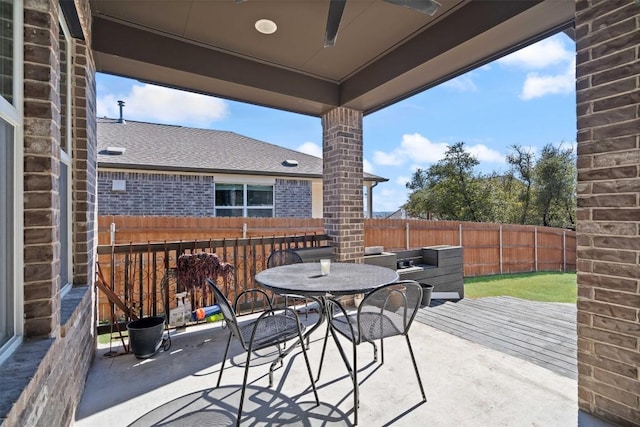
(450, 189)
(522, 162)
(555, 187)
(539, 192)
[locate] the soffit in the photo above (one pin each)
(383, 52)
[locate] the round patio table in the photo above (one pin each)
(344, 278)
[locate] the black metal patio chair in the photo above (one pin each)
(271, 328)
(385, 312)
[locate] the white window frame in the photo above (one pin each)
(244, 207)
(13, 114)
(66, 158)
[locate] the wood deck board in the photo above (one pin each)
(562, 368)
(502, 325)
(533, 347)
(558, 312)
(547, 315)
(539, 332)
(536, 325)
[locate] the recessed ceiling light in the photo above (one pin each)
(266, 26)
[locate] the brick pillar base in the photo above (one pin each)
(342, 182)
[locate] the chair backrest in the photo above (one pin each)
(283, 257)
(226, 310)
(389, 310)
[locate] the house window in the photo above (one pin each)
(11, 183)
(244, 200)
(6, 50)
(64, 182)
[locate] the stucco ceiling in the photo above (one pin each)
(383, 52)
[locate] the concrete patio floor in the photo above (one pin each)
(466, 385)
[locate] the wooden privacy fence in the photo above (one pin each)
(487, 248)
(145, 248)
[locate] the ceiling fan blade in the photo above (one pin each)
(429, 7)
(336, 7)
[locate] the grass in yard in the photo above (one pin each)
(547, 286)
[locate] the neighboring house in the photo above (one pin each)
(168, 170)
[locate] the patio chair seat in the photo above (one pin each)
(373, 326)
(271, 330)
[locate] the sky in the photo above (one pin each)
(526, 98)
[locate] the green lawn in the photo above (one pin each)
(547, 286)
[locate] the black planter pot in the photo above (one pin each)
(145, 336)
(427, 289)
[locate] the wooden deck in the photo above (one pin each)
(539, 332)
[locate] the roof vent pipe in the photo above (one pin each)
(121, 105)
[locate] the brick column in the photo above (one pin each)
(608, 110)
(85, 155)
(342, 182)
(41, 169)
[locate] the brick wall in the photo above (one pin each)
(156, 194)
(42, 381)
(292, 198)
(47, 393)
(342, 181)
(608, 245)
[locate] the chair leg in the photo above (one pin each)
(306, 360)
(224, 359)
(382, 351)
(324, 347)
(356, 387)
(244, 386)
(415, 366)
(353, 373)
(280, 358)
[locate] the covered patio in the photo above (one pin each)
(467, 384)
(384, 53)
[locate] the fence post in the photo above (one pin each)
(535, 245)
(460, 234)
(501, 272)
(407, 235)
(564, 251)
(244, 230)
(112, 233)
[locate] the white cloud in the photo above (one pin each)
(462, 83)
(160, 104)
(419, 150)
(413, 148)
(388, 159)
(538, 85)
(485, 154)
(310, 148)
(367, 166)
(539, 55)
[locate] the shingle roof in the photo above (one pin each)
(169, 147)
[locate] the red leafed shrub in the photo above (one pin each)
(193, 269)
